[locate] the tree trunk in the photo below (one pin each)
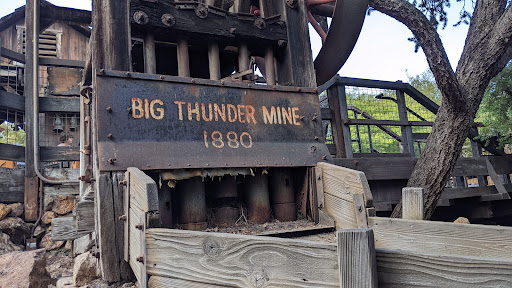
(436, 163)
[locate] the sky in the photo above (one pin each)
(382, 51)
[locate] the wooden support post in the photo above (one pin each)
(270, 70)
(357, 260)
(149, 53)
(183, 58)
(497, 181)
(31, 88)
(111, 50)
(412, 203)
(407, 140)
(339, 110)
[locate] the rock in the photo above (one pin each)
(69, 245)
(462, 220)
(65, 282)
(4, 211)
(39, 231)
(63, 204)
(48, 217)
(49, 244)
(6, 246)
(16, 228)
(24, 270)
(17, 209)
(84, 270)
(48, 202)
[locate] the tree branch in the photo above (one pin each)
(430, 42)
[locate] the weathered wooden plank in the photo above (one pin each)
(360, 211)
(241, 261)
(342, 182)
(11, 100)
(386, 122)
(450, 239)
(12, 152)
(61, 173)
(497, 181)
(12, 185)
(64, 228)
(398, 268)
(118, 191)
(165, 282)
(341, 210)
(59, 104)
(126, 226)
(64, 81)
(357, 260)
(84, 212)
(56, 62)
(319, 187)
(55, 154)
(412, 203)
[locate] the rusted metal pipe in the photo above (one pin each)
(223, 196)
(149, 53)
(282, 195)
(270, 71)
(243, 57)
(183, 59)
(257, 198)
(192, 204)
(213, 60)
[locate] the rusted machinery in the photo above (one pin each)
(193, 112)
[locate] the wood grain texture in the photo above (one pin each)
(84, 212)
(61, 173)
(12, 185)
(411, 269)
(357, 260)
(412, 203)
(64, 228)
(341, 210)
(241, 261)
(360, 211)
(319, 187)
(165, 282)
(450, 239)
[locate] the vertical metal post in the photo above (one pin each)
(270, 70)
(183, 59)
(257, 198)
(282, 196)
(192, 204)
(223, 195)
(213, 60)
(31, 93)
(243, 57)
(407, 140)
(149, 53)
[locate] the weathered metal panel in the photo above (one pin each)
(157, 122)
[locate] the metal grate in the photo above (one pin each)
(11, 76)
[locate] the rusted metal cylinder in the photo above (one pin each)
(213, 59)
(223, 195)
(192, 204)
(243, 57)
(282, 195)
(257, 198)
(183, 58)
(270, 70)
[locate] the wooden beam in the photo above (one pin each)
(12, 152)
(12, 55)
(12, 185)
(46, 61)
(400, 268)
(412, 202)
(450, 239)
(241, 261)
(52, 154)
(11, 100)
(64, 228)
(386, 122)
(357, 260)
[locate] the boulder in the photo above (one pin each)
(17, 209)
(16, 228)
(48, 202)
(4, 211)
(63, 204)
(39, 231)
(24, 270)
(48, 244)
(48, 217)
(65, 282)
(6, 246)
(461, 220)
(84, 270)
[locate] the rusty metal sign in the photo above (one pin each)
(165, 122)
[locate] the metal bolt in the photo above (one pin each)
(123, 182)
(282, 43)
(193, 81)
(298, 89)
(221, 82)
(260, 23)
(302, 118)
(111, 161)
(168, 20)
(102, 71)
(325, 157)
(161, 77)
(128, 74)
(110, 136)
(122, 218)
(140, 259)
(316, 138)
(140, 17)
(201, 11)
(232, 30)
(315, 90)
(139, 227)
(109, 109)
(314, 117)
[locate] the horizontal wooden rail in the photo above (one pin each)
(48, 154)
(43, 61)
(386, 122)
(46, 104)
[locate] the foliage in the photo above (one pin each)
(11, 134)
(495, 112)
